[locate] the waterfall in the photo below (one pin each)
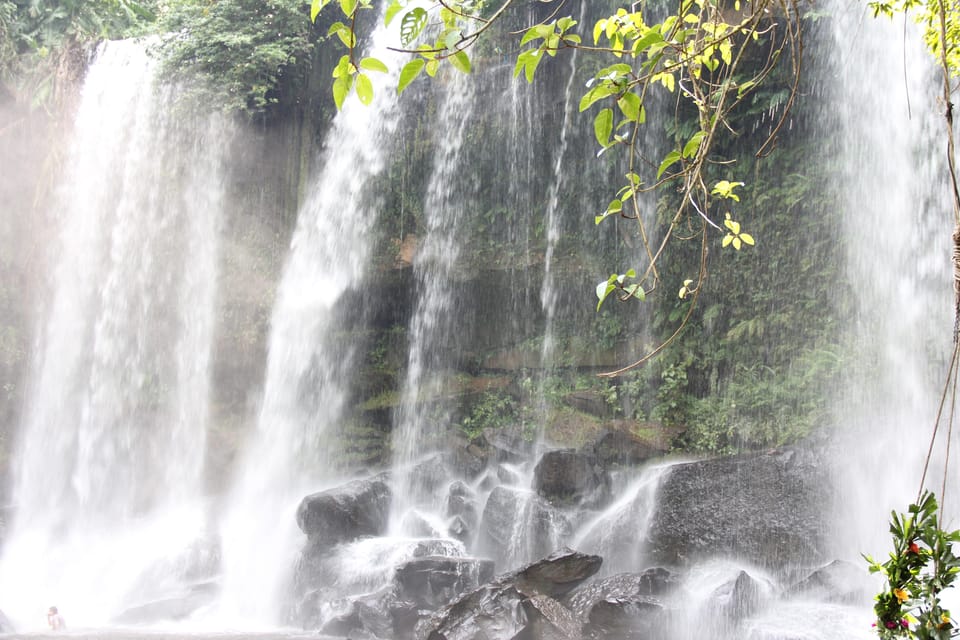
(110, 457)
(892, 180)
(548, 289)
(309, 362)
(422, 416)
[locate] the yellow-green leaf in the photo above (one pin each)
(364, 88)
(348, 7)
(409, 73)
(670, 158)
(341, 87)
(395, 7)
(460, 61)
(603, 126)
(412, 24)
(373, 64)
(747, 239)
(630, 104)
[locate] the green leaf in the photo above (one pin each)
(348, 7)
(409, 73)
(341, 87)
(461, 61)
(604, 289)
(364, 88)
(395, 7)
(373, 64)
(603, 127)
(636, 291)
(693, 144)
(432, 67)
(532, 34)
(596, 93)
(412, 25)
(670, 158)
(630, 104)
(315, 7)
(452, 39)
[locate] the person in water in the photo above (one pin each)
(55, 620)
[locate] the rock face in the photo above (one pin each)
(169, 609)
(514, 516)
(838, 581)
(433, 581)
(5, 625)
(626, 605)
(766, 507)
(621, 448)
(522, 602)
(358, 508)
(566, 476)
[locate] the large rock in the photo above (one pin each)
(838, 581)
(737, 599)
(434, 581)
(5, 625)
(765, 507)
(358, 508)
(624, 606)
(175, 608)
(517, 525)
(568, 477)
(520, 602)
(657, 581)
(621, 448)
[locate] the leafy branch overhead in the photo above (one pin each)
(703, 56)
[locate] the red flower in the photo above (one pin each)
(913, 548)
(891, 625)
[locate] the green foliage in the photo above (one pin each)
(928, 14)
(36, 36)
(240, 50)
(920, 568)
(493, 410)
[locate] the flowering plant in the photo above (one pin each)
(920, 567)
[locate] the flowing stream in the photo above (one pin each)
(309, 363)
(108, 489)
(892, 177)
(109, 496)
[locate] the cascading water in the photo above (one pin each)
(892, 176)
(108, 483)
(309, 364)
(420, 415)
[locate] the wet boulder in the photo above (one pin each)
(766, 507)
(523, 601)
(168, 609)
(461, 502)
(634, 618)
(519, 523)
(622, 448)
(547, 619)
(624, 606)
(431, 582)
(657, 582)
(838, 581)
(350, 511)
(5, 625)
(566, 476)
(736, 599)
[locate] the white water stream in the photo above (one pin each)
(892, 176)
(309, 361)
(109, 468)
